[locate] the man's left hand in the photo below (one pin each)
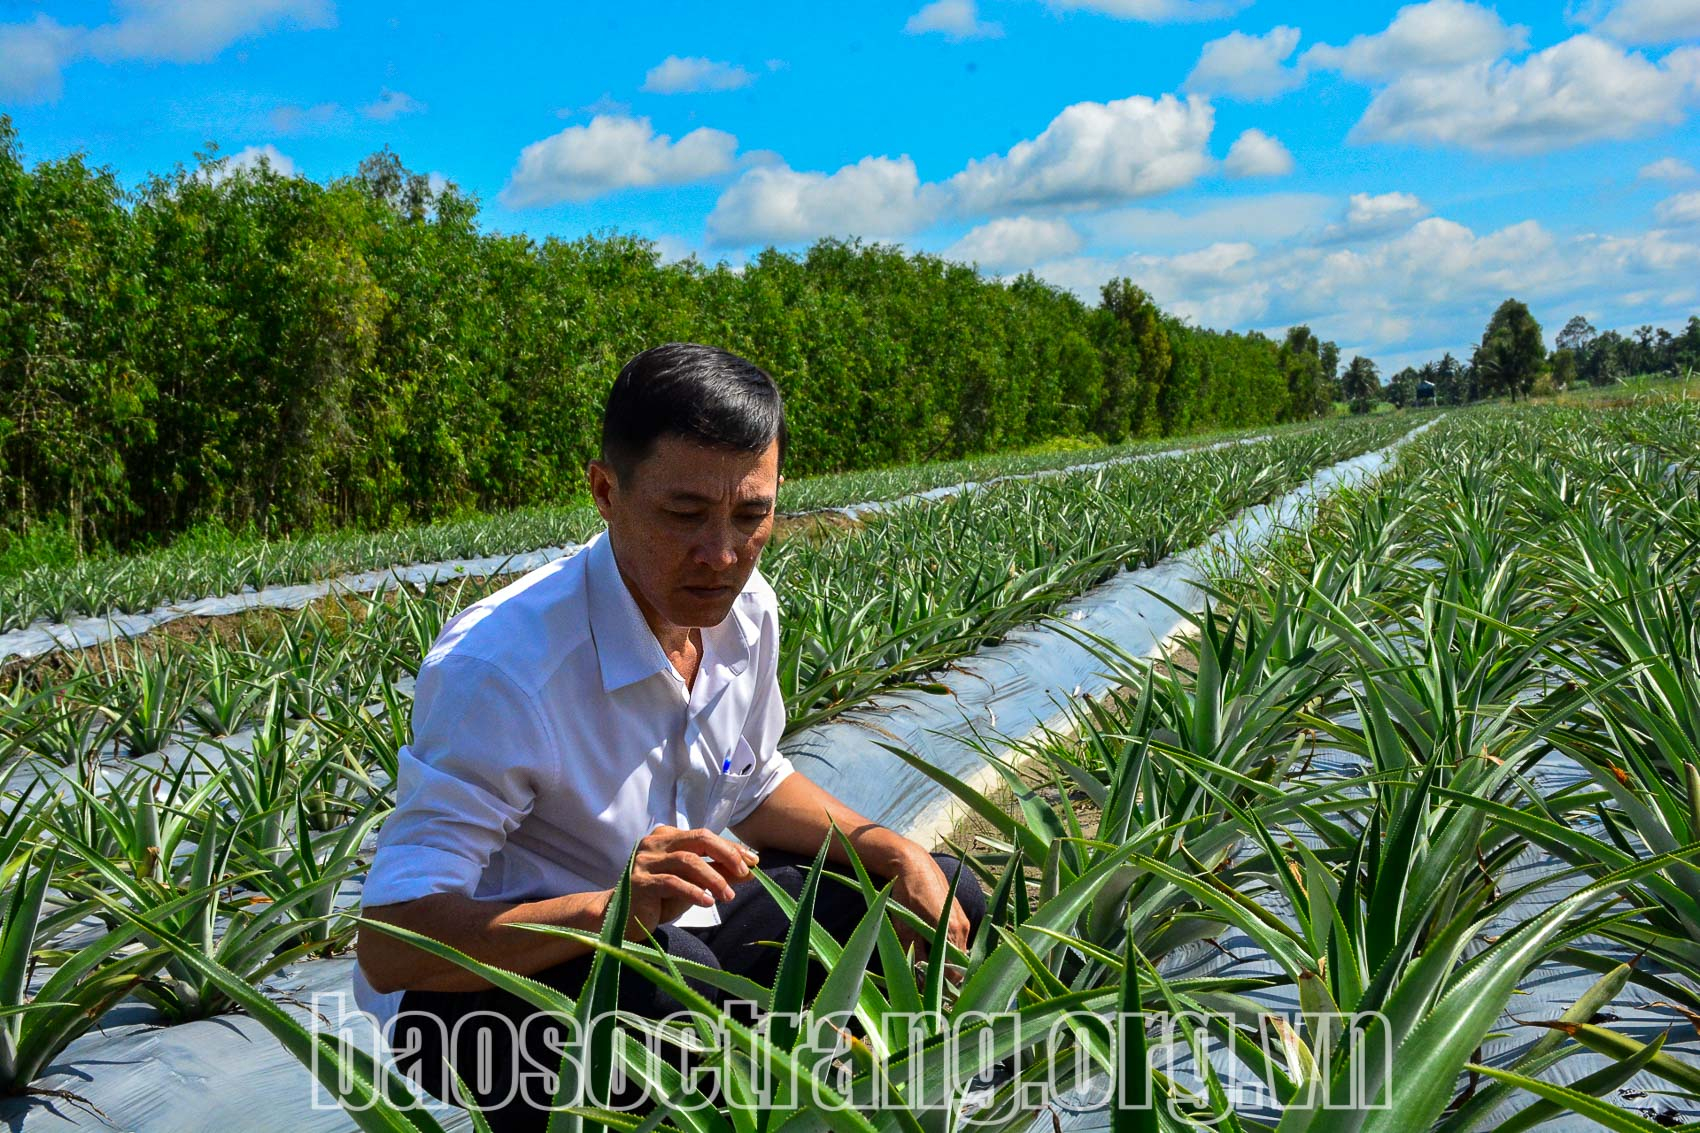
(921, 886)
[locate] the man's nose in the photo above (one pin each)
(718, 548)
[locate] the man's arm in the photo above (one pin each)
(481, 929)
(799, 814)
(670, 873)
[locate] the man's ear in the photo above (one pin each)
(603, 485)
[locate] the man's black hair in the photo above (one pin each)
(701, 393)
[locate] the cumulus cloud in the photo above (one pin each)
(612, 153)
(1581, 90)
(34, 55)
(1015, 243)
(1652, 21)
(694, 75)
(1372, 214)
(1437, 35)
(1417, 287)
(1157, 11)
(1666, 169)
(876, 197)
(1264, 217)
(1095, 152)
(1247, 66)
(954, 19)
(392, 104)
(1256, 154)
(1090, 154)
(252, 157)
(1682, 209)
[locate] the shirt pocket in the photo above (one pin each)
(727, 788)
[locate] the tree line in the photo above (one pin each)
(1512, 360)
(261, 351)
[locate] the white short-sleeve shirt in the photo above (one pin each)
(551, 733)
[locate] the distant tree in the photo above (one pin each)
(1361, 385)
(1448, 381)
(1511, 350)
(1577, 334)
(1686, 348)
(1402, 388)
(1133, 308)
(1329, 356)
(1308, 395)
(1564, 368)
(1646, 351)
(1605, 359)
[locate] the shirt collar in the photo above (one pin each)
(627, 649)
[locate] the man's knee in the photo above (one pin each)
(968, 892)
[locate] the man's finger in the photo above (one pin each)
(691, 867)
(733, 861)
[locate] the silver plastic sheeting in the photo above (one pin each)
(80, 633)
(874, 507)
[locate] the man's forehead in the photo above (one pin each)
(678, 469)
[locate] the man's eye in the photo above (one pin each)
(684, 515)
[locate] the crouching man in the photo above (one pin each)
(625, 697)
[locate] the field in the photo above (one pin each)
(1427, 759)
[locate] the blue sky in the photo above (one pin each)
(1384, 173)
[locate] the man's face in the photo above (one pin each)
(689, 526)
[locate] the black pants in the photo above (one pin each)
(495, 1034)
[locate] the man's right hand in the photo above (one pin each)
(677, 869)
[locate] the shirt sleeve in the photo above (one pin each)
(766, 721)
(479, 757)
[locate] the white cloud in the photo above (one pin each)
(1157, 11)
(1256, 154)
(1416, 286)
(34, 55)
(1015, 243)
(613, 153)
(1095, 152)
(1652, 21)
(1374, 214)
(1666, 169)
(1247, 66)
(392, 104)
(673, 249)
(1436, 35)
(877, 197)
(1581, 90)
(694, 75)
(251, 157)
(1684, 208)
(1264, 217)
(955, 19)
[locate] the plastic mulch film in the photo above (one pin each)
(228, 1073)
